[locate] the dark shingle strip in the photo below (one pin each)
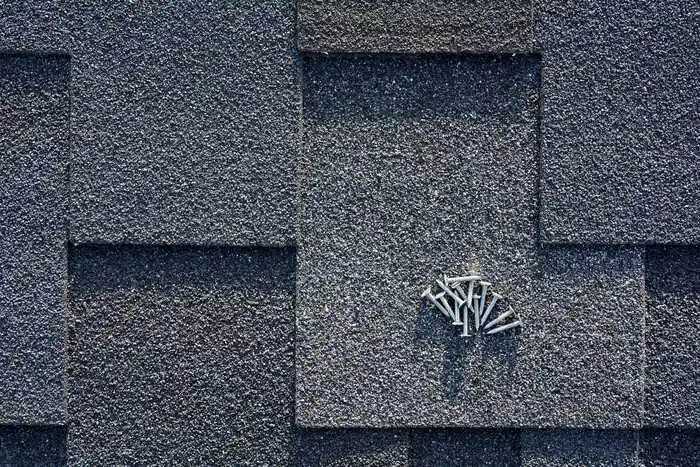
(670, 448)
(575, 448)
(32, 446)
(182, 355)
(673, 338)
(448, 448)
(340, 448)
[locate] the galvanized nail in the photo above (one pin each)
(449, 292)
(457, 280)
(434, 301)
(494, 298)
(446, 304)
(460, 291)
(500, 318)
(465, 326)
(505, 327)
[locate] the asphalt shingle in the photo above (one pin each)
(34, 115)
(672, 335)
(620, 134)
(181, 355)
(574, 448)
(32, 446)
(403, 177)
(670, 448)
(448, 447)
(184, 117)
(343, 448)
(416, 26)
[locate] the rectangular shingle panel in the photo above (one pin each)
(184, 117)
(181, 355)
(32, 445)
(34, 116)
(620, 137)
(575, 448)
(416, 26)
(450, 447)
(417, 166)
(348, 447)
(672, 335)
(669, 448)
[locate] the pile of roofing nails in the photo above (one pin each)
(465, 300)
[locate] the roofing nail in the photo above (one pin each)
(457, 280)
(505, 328)
(465, 325)
(433, 300)
(449, 292)
(457, 321)
(470, 293)
(494, 298)
(460, 291)
(500, 318)
(446, 304)
(482, 302)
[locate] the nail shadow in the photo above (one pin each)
(432, 327)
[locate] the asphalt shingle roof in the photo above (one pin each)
(273, 183)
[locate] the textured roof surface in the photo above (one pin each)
(579, 447)
(183, 118)
(401, 181)
(620, 129)
(181, 356)
(34, 112)
(673, 338)
(218, 219)
(416, 26)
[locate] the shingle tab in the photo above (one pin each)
(184, 117)
(181, 356)
(32, 446)
(416, 26)
(446, 448)
(620, 138)
(672, 335)
(573, 448)
(34, 117)
(403, 178)
(346, 447)
(672, 448)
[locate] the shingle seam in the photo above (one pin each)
(417, 54)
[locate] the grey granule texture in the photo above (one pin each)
(359, 447)
(416, 26)
(447, 448)
(620, 137)
(415, 166)
(32, 446)
(34, 155)
(672, 335)
(579, 448)
(676, 448)
(184, 117)
(181, 356)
